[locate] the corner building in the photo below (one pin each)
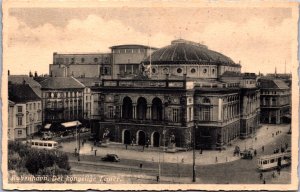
(184, 87)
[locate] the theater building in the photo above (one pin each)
(180, 90)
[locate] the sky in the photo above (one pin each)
(259, 38)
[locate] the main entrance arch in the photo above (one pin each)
(141, 137)
(126, 139)
(155, 139)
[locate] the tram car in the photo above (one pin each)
(273, 161)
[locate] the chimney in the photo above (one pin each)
(8, 72)
(30, 74)
(35, 74)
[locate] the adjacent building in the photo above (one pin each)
(24, 111)
(275, 100)
(62, 100)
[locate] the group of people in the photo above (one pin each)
(274, 175)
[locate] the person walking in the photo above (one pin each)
(260, 176)
(264, 181)
(216, 159)
(263, 148)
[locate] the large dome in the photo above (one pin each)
(182, 51)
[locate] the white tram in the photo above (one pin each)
(273, 161)
(42, 144)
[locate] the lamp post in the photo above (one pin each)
(194, 154)
(78, 135)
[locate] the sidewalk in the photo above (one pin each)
(263, 135)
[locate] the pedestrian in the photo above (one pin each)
(92, 148)
(216, 159)
(182, 160)
(143, 147)
(272, 134)
(264, 181)
(263, 148)
(157, 178)
(255, 152)
(141, 165)
(95, 152)
(255, 138)
(75, 152)
(273, 174)
(278, 170)
(126, 146)
(260, 176)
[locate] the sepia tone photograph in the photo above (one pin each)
(153, 95)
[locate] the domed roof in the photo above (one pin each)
(182, 51)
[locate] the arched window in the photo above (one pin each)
(141, 108)
(127, 108)
(157, 109)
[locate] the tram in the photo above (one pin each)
(41, 144)
(273, 161)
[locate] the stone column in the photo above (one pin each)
(149, 111)
(134, 111)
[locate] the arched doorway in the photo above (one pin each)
(141, 138)
(155, 139)
(127, 108)
(126, 137)
(141, 108)
(157, 109)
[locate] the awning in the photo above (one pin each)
(71, 124)
(47, 126)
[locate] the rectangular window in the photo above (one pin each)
(19, 132)
(20, 109)
(205, 114)
(34, 106)
(30, 106)
(110, 112)
(20, 121)
(175, 115)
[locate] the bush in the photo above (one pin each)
(22, 159)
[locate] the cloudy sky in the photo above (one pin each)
(258, 37)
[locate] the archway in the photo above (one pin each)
(126, 137)
(127, 108)
(141, 108)
(157, 109)
(141, 138)
(155, 139)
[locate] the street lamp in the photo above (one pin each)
(78, 138)
(194, 154)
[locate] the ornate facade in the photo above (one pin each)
(184, 89)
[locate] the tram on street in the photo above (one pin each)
(43, 144)
(273, 161)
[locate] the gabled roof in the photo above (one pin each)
(20, 79)
(61, 83)
(21, 93)
(273, 84)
